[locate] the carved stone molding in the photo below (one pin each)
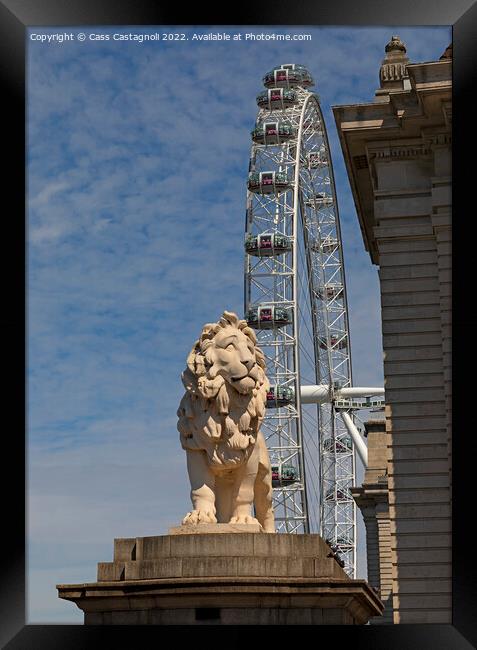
(438, 139)
(403, 152)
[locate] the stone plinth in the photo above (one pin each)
(227, 578)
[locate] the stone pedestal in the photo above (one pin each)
(234, 578)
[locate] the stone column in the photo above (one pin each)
(416, 334)
(372, 499)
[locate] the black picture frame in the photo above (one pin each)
(15, 17)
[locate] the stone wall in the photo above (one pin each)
(402, 191)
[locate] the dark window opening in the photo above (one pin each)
(207, 613)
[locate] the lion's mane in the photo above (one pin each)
(213, 415)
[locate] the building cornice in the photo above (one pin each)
(409, 124)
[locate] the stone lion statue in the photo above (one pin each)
(219, 421)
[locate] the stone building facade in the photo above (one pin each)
(397, 150)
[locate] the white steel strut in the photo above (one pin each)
(295, 299)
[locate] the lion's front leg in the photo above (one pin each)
(202, 494)
(244, 492)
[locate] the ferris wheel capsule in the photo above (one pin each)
(284, 475)
(341, 446)
(317, 160)
(336, 342)
(274, 98)
(344, 541)
(289, 76)
(342, 494)
(268, 317)
(320, 200)
(267, 245)
(268, 182)
(273, 132)
(329, 245)
(325, 246)
(331, 291)
(278, 396)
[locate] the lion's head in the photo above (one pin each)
(226, 388)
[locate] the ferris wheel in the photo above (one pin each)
(295, 299)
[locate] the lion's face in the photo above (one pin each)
(231, 355)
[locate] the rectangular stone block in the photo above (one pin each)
(271, 616)
(277, 566)
(415, 340)
(417, 366)
(431, 409)
(411, 326)
(413, 381)
(405, 230)
(289, 567)
(151, 548)
(280, 545)
(409, 617)
(286, 544)
(428, 525)
(423, 541)
(327, 568)
(333, 616)
(395, 301)
(427, 481)
(109, 571)
(311, 545)
(251, 566)
(421, 511)
(421, 571)
(427, 556)
(225, 545)
(183, 616)
(396, 272)
(142, 602)
(418, 467)
(93, 618)
(137, 617)
(411, 285)
(209, 566)
(414, 396)
(396, 245)
(423, 601)
(150, 569)
(407, 257)
(418, 452)
(434, 585)
(404, 438)
(414, 424)
(418, 496)
(125, 548)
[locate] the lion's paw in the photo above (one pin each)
(199, 517)
(244, 519)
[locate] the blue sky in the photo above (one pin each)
(137, 164)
